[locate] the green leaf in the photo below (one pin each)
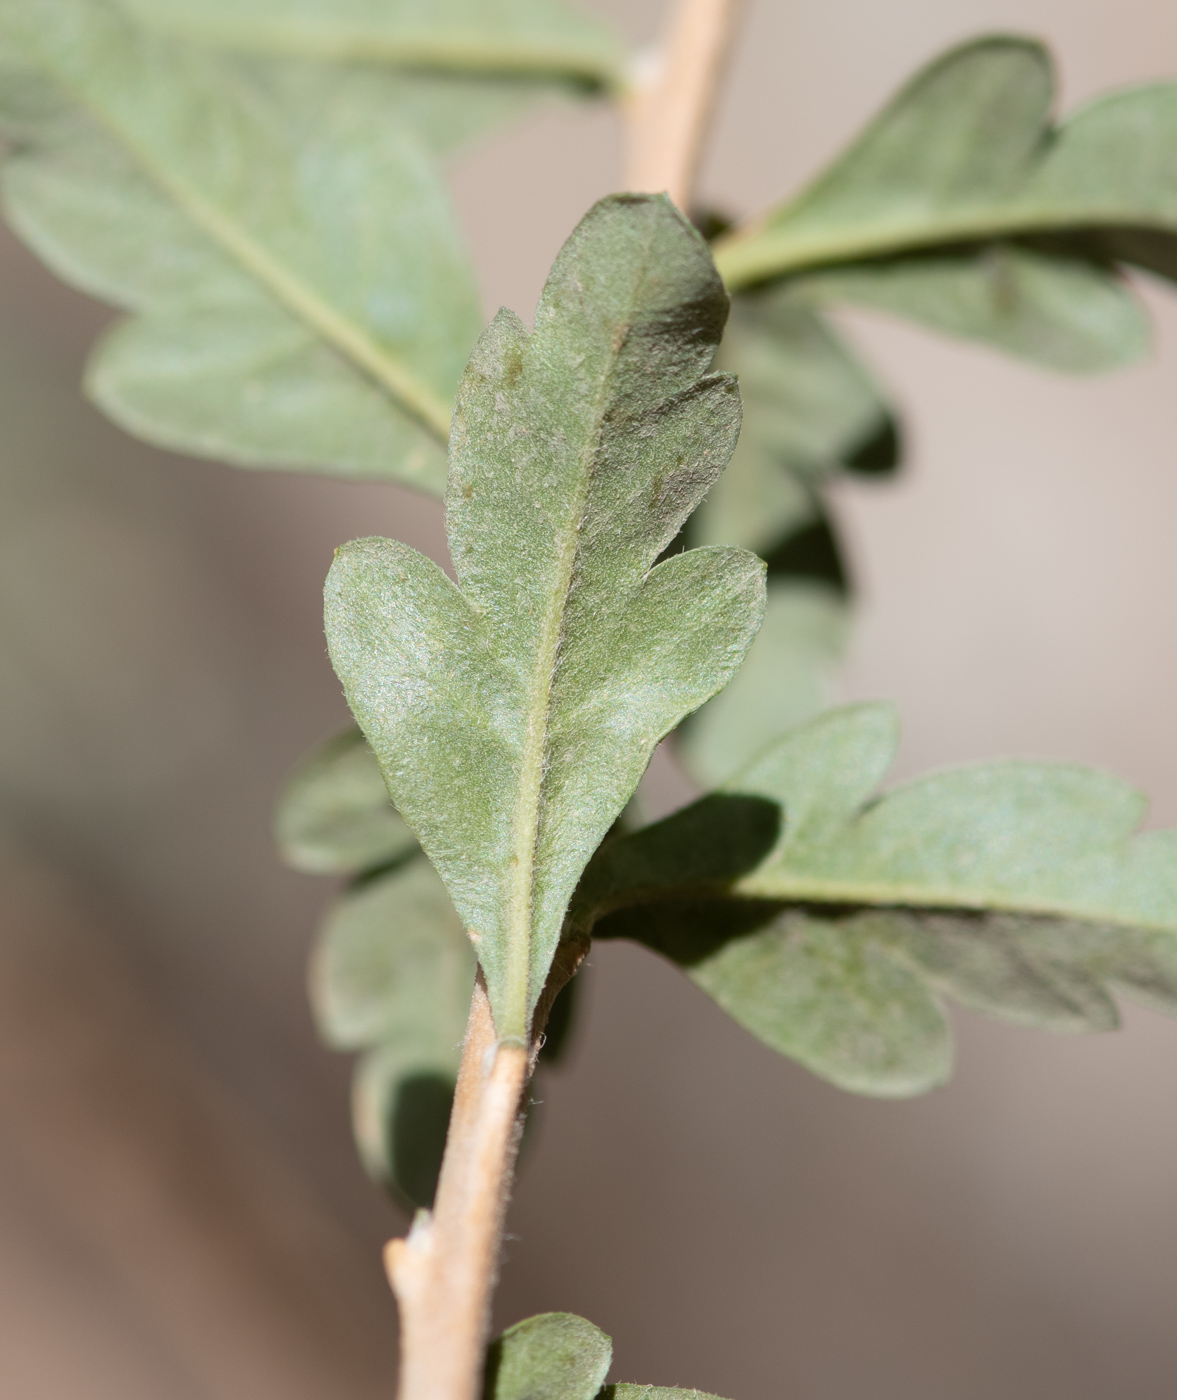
(520, 38)
(554, 1356)
(785, 680)
(1062, 312)
(393, 964)
(401, 1104)
(392, 974)
(514, 712)
(625, 1391)
(966, 154)
(1031, 838)
(334, 816)
(809, 409)
(318, 317)
(830, 921)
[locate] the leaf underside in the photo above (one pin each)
(334, 817)
(963, 208)
(538, 39)
(554, 1356)
(558, 1356)
(300, 294)
(391, 976)
(831, 923)
(514, 712)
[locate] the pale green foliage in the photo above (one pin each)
(514, 712)
(1062, 312)
(317, 317)
(1026, 837)
(392, 975)
(829, 921)
(554, 1356)
(809, 409)
(652, 1392)
(334, 816)
(558, 1356)
(785, 680)
(964, 155)
(533, 38)
(387, 943)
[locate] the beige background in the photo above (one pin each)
(734, 1223)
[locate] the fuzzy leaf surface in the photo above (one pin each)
(519, 38)
(334, 816)
(514, 712)
(831, 922)
(317, 317)
(625, 1391)
(966, 154)
(554, 1356)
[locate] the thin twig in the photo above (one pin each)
(444, 1273)
(669, 114)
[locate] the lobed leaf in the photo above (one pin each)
(554, 1356)
(300, 292)
(334, 816)
(830, 922)
(514, 712)
(965, 155)
(519, 38)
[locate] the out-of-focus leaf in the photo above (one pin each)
(785, 680)
(809, 407)
(393, 963)
(966, 154)
(334, 816)
(849, 1008)
(392, 975)
(828, 921)
(577, 452)
(401, 1103)
(317, 317)
(1061, 312)
(554, 1356)
(520, 38)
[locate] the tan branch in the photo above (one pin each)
(669, 114)
(444, 1273)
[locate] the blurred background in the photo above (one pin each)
(182, 1216)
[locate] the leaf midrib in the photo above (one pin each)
(803, 889)
(412, 395)
(760, 253)
(467, 55)
(880, 895)
(535, 754)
